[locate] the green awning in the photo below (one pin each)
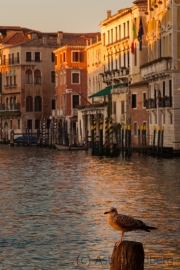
(107, 90)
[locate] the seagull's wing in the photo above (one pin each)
(127, 222)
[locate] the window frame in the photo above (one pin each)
(79, 79)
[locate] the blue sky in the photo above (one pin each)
(58, 15)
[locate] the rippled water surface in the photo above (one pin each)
(52, 205)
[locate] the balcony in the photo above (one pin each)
(163, 102)
(10, 110)
(156, 68)
(10, 61)
(74, 112)
(10, 86)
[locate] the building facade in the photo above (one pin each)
(162, 71)
(28, 81)
(71, 81)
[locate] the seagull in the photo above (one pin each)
(125, 223)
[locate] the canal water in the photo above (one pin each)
(52, 205)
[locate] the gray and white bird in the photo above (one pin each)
(125, 223)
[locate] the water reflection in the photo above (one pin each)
(52, 206)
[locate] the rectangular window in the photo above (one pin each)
(144, 100)
(60, 59)
(29, 124)
(111, 35)
(75, 77)
(75, 101)
(135, 128)
(114, 107)
(122, 107)
(53, 104)
(128, 28)
(18, 124)
(28, 56)
(52, 76)
(124, 28)
(37, 56)
(12, 58)
(116, 37)
(18, 58)
(52, 57)
(108, 37)
(37, 124)
(119, 31)
(134, 101)
(56, 60)
(64, 57)
(77, 56)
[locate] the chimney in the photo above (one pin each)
(108, 12)
(44, 40)
(87, 42)
(59, 37)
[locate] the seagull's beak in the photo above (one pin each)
(106, 213)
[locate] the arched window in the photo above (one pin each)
(29, 104)
(37, 76)
(11, 103)
(28, 76)
(38, 104)
(7, 103)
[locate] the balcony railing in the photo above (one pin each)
(10, 86)
(10, 61)
(10, 110)
(163, 102)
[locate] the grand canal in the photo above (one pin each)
(52, 205)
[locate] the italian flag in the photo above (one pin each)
(134, 37)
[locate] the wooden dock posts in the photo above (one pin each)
(128, 256)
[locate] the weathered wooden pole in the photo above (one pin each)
(106, 134)
(12, 138)
(129, 140)
(122, 140)
(128, 256)
(100, 136)
(55, 133)
(38, 137)
(139, 139)
(162, 138)
(111, 136)
(92, 139)
(44, 132)
(159, 137)
(154, 139)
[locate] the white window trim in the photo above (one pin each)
(72, 72)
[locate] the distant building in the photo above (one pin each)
(28, 79)
(71, 79)
(162, 70)
(114, 69)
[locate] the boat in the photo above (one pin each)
(71, 147)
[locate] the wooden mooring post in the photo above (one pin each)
(128, 256)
